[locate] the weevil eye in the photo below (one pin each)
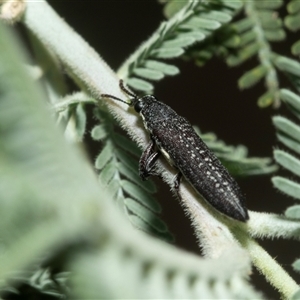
(139, 105)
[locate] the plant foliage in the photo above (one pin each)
(118, 164)
(61, 212)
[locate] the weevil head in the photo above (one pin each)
(140, 103)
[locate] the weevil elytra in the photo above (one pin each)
(174, 137)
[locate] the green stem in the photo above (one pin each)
(268, 266)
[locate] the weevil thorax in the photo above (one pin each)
(152, 111)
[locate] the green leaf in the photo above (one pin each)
(292, 22)
(180, 42)
(293, 7)
(148, 185)
(267, 4)
(217, 16)
(148, 73)
(201, 23)
(287, 186)
(80, 120)
(296, 265)
(126, 144)
(287, 161)
(290, 98)
(139, 84)
(197, 35)
(243, 55)
(104, 157)
(275, 35)
(243, 25)
(108, 172)
(296, 296)
(99, 132)
(167, 52)
(269, 19)
(247, 37)
(162, 67)
(172, 7)
(287, 127)
(252, 77)
(126, 159)
(138, 194)
(296, 48)
(266, 99)
(293, 212)
(289, 142)
(287, 65)
(146, 215)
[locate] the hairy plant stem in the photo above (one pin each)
(268, 266)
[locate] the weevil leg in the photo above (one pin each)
(177, 184)
(148, 160)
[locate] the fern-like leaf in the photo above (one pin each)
(118, 170)
(292, 22)
(288, 133)
(193, 23)
(155, 281)
(261, 26)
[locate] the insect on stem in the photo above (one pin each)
(125, 90)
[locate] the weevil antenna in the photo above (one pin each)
(115, 98)
(125, 90)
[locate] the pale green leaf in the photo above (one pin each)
(252, 77)
(243, 25)
(268, 4)
(162, 67)
(293, 7)
(292, 22)
(179, 42)
(217, 16)
(201, 23)
(289, 142)
(243, 55)
(271, 22)
(145, 214)
(275, 35)
(104, 157)
(139, 84)
(266, 99)
(126, 159)
(197, 35)
(148, 73)
(80, 120)
(247, 37)
(99, 132)
(296, 48)
(287, 186)
(148, 185)
(287, 161)
(296, 265)
(290, 98)
(296, 296)
(288, 65)
(287, 127)
(140, 195)
(167, 52)
(126, 144)
(293, 212)
(107, 173)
